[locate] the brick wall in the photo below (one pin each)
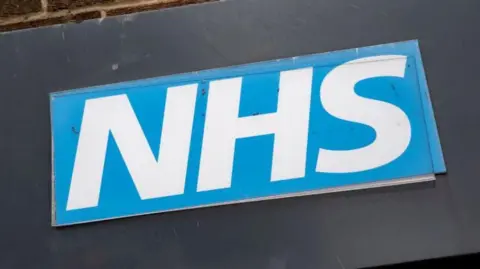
(21, 14)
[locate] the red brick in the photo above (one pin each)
(9, 8)
(77, 18)
(55, 5)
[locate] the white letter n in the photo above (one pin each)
(152, 178)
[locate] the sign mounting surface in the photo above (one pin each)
(319, 123)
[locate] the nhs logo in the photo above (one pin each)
(321, 123)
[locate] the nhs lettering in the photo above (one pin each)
(320, 123)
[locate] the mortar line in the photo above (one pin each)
(44, 6)
(44, 14)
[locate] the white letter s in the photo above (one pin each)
(391, 124)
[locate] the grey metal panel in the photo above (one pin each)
(343, 230)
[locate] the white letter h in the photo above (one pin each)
(223, 126)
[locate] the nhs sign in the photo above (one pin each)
(321, 123)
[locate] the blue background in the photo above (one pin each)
(252, 162)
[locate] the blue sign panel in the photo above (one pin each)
(321, 123)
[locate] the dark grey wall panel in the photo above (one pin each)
(345, 230)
